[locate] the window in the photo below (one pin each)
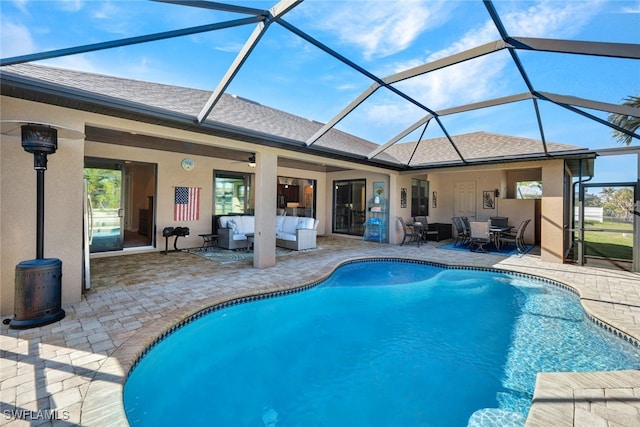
(528, 189)
(419, 197)
(232, 193)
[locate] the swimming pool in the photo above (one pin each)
(378, 343)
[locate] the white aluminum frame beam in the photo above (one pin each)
(276, 12)
(457, 58)
(449, 111)
(612, 50)
(621, 109)
(127, 41)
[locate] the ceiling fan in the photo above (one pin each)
(251, 161)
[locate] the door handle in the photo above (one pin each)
(120, 212)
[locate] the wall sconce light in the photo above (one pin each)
(252, 160)
(496, 192)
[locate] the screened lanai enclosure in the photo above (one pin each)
(404, 86)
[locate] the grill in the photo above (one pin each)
(173, 231)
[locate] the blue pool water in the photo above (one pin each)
(377, 344)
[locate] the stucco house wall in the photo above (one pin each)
(64, 190)
(63, 201)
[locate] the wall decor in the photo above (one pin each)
(434, 199)
(403, 197)
(378, 191)
(488, 199)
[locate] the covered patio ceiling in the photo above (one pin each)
(430, 124)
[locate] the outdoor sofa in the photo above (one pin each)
(292, 232)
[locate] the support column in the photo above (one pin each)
(264, 247)
(395, 182)
(552, 212)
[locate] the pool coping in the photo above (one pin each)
(104, 405)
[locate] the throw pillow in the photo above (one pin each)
(233, 226)
(301, 224)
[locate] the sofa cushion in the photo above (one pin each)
(286, 236)
(289, 224)
(305, 223)
(279, 223)
(247, 224)
(222, 221)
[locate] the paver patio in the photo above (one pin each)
(77, 367)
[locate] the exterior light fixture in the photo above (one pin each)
(252, 160)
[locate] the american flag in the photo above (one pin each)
(187, 204)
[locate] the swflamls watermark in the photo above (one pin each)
(30, 415)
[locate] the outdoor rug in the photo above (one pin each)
(226, 256)
(507, 250)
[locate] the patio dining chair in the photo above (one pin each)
(480, 236)
(462, 235)
(466, 224)
(409, 233)
(517, 238)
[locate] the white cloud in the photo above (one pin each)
(483, 78)
(77, 62)
(381, 28)
(71, 5)
(15, 40)
(21, 5)
(552, 19)
(232, 47)
(630, 9)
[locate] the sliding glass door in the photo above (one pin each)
(104, 199)
(349, 206)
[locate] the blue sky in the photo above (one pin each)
(385, 37)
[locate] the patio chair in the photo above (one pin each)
(517, 238)
(462, 233)
(425, 227)
(409, 233)
(465, 223)
(480, 236)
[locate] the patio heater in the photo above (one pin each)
(38, 282)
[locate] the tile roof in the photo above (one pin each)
(472, 146)
(245, 114)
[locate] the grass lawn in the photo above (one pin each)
(609, 244)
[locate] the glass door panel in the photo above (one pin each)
(349, 207)
(104, 187)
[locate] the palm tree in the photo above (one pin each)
(629, 123)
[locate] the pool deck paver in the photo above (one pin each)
(73, 370)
